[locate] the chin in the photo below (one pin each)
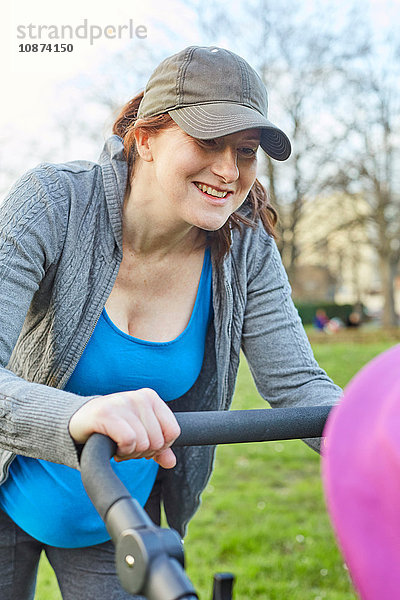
(211, 227)
(210, 223)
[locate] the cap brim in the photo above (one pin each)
(223, 118)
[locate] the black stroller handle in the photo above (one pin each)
(149, 559)
(238, 426)
(198, 429)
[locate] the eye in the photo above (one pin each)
(211, 143)
(247, 151)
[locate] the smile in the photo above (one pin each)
(206, 189)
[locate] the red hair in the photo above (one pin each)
(257, 199)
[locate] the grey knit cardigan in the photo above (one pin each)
(60, 250)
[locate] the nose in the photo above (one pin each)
(225, 164)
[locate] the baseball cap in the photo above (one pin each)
(210, 92)
(361, 474)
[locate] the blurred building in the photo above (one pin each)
(336, 260)
(313, 283)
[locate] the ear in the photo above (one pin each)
(143, 146)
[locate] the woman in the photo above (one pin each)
(130, 284)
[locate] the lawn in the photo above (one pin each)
(263, 515)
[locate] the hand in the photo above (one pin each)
(138, 421)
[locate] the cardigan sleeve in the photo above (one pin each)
(274, 341)
(33, 417)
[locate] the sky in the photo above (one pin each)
(42, 88)
(34, 74)
(36, 85)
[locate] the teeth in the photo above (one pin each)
(211, 191)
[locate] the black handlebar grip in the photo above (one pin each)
(198, 429)
(238, 426)
(103, 486)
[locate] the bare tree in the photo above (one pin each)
(371, 162)
(299, 53)
(302, 59)
(338, 101)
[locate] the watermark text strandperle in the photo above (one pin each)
(83, 31)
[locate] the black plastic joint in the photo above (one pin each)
(223, 586)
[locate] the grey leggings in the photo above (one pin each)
(82, 573)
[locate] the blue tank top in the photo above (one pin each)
(47, 500)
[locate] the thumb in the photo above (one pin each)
(166, 458)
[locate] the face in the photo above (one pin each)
(202, 182)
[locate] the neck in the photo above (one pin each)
(149, 232)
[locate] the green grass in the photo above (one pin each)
(263, 515)
(47, 588)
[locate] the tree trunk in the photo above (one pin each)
(388, 272)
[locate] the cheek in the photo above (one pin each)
(253, 171)
(249, 177)
(188, 172)
(182, 162)
(169, 172)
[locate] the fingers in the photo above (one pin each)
(138, 421)
(168, 423)
(123, 434)
(155, 426)
(146, 410)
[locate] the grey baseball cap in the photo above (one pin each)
(211, 92)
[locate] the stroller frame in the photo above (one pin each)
(150, 559)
